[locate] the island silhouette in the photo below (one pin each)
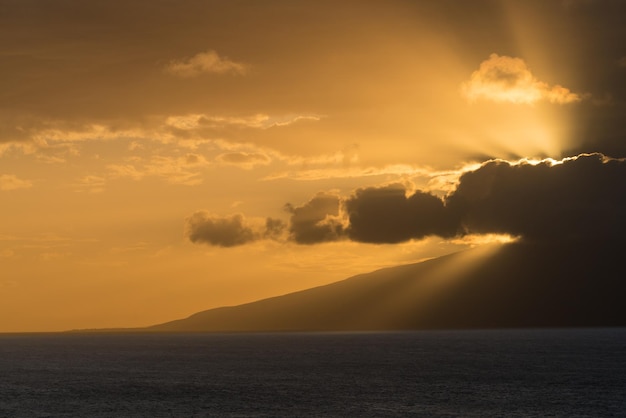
(521, 284)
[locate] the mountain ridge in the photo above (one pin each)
(558, 284)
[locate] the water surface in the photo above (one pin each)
(565, 372)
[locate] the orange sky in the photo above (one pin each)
(120, 120)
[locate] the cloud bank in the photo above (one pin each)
(578, 198)
(508, 79)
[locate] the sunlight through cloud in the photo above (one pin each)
(508, 79)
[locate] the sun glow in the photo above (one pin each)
(188, 116)
(523, 115)
(511, 132)
(475, 240)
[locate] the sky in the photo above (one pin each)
(160, 158)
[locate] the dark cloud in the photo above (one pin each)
(202, 227)
(388, 215)
(577, 199)
(273, 228)
(581, 198)
(316, 221)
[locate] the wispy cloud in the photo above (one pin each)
(64, 133)
(209, 62)
(508, 79)
(243, 159)
(247, 155)
(260, 120)
(12, 182)
(90, 184)
(184, 170)
(348, 172)
(53, 141)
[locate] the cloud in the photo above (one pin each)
(508, 79)
(125, 170)
(202, 227)
(90, 184)
(333, 172)
(273, 228)
(243, 159)
(316, 221)
(208, 62)
(54, 140)
(65, 132)
(229, 231)
(198, 121)
(577, 198)
(389, 215)
(184, 170)
(12, 182)
(374, 215)
(12, 130)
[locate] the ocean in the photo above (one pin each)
(478, 373)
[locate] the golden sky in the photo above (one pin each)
(159, 158)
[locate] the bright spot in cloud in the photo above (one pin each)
(508, 79)
(474, 240)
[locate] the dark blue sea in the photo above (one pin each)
(495, 373)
